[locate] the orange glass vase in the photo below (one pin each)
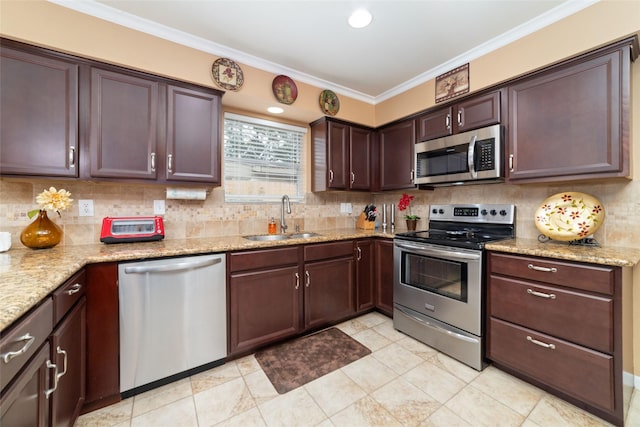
(41, 233)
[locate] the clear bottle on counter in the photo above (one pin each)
(272, 226)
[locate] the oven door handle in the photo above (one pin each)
(437, 328)
(450, 254)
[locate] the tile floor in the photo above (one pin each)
(401, 383)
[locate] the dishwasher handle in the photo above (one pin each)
(180, 266)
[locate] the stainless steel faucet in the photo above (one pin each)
(283, 223)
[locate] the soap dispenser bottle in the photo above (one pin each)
(272, 226)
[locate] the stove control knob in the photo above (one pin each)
(434, 211)
(483, 212)
(441, 211)
(503, 212)
(493, 212)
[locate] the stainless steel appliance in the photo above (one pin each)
(467, 157)
(438, 289)
(173, 319)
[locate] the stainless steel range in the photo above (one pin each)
(438, 288)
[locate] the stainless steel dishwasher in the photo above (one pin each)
(173, 319)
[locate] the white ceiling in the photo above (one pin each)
(407, 43)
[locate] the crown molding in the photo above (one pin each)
(101, 11)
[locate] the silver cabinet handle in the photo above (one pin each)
(543, 269)
(308, 281)
(72, 156)
(460, 117)
(330, 175)
(11, 354)
(541, 294)
(413, 175)
(447, 122)
(62, 374)
(511, 168)
(153, 162)
(170, 163)
(541, 344)
(74, 289)
(359, 257)
(353, 177)
(297, 281)
(53, 366)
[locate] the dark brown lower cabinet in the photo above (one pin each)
(328, 291)
(384, 275)
(365, 274)
(23, 403)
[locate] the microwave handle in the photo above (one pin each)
(471, 157)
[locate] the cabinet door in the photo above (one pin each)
(338, 156)
(264, 306)
(396, 156)
(39, 104)
(365, 273)
(193, 135)
(123, 128)
(328, 291)
(568, 123)
(68, 351)
(477, 112)
(360, 151)
(435, 124)
(384, 276)
(24, 403)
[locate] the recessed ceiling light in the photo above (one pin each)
(275, 110)
(360, 18)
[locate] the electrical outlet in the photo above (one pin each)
(158, 207)
(85, 207)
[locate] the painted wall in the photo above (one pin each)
(52, 26)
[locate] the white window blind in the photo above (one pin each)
(262, 160)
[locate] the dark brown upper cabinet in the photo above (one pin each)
(341, 155)
(39, 104)
(571, 121)
(396, 152)
(472, 113)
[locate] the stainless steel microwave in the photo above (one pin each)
(467, 157)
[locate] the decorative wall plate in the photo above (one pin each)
(329, 103)
(569, 216)
(284, 89)
(227, 74)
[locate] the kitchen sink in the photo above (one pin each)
(270, 237)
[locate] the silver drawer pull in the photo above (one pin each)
(74, 289)
(545, 269)
(541, 294)
(11, 354)
(541, 344)
(64, 353)
(53, 366)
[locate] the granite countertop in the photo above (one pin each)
(616, 256)
(27, 276)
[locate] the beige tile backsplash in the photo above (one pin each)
(212, 217)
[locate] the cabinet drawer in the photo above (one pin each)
(253, 260)
(328, 250)
(581, 318)
(22, 341)
(576, 275)
(66, 295)
(577, 371)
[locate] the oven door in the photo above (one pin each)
(441, 282)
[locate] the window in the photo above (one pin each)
(262, 160)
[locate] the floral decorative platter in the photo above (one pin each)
(284, 89)
(569, 216)
(329, 102)
(227, 74)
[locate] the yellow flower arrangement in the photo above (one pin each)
(52, 199)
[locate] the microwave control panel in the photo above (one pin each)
(485, 155)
